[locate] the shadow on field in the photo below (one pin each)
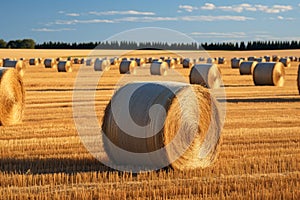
(51, 165)
(263, 100)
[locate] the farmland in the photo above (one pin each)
(259, 155)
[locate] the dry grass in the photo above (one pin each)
(259, 155)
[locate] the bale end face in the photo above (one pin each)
(12, 97)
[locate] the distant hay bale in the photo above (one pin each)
(101, 65)
(171, 63)
(251, 58)
(140, 61)
(128, 66)
(260, 60)
(207, 75)
(179, 60)
(236, 62)
(12, 97)
(247, 67)
(114, 61)
(285, 61)
(298, 79)
(275, 58)
(222, 60)
(187, 63)
(211, 60)
(40, 60)
(76, 61)
(269, 73)
(159, 68)
(19, 65)
(201, 59)
(64, 66)
(82, 61)
(89, 62)
(33, 61)
(185, 126)
(50, 63)
(58, 59)
(268, 58)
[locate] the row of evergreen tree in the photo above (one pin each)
(130, 45)
(251, 45)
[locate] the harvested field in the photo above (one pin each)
(43, 157)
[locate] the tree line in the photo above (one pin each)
(130, 45)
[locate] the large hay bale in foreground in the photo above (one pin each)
(50, 63)
(127, 66)
(285, 61)
(236, 62)
(298, 79)
(19, 65)
(159, 68)
(64, 66)
(269, 73)
(12, 97)
(184, 134)
(246, 68)
(207, 75)
(101, 65)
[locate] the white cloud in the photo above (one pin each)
(219, 35)
(216, 18)
(188, 8)
(282, 18)
(114, 12)
(208, 6)
(73, 14)
(91, 21)
(52, 30)
(146, 19)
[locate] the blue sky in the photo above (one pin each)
(95, 20)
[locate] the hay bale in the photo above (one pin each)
(50, 63)
(222, 60)
(251, 58)
(298, 79)
(58, 59)
(268, 58)
(64, 66)
(211, 60)
(236, 62)
(127, 66)
(201, 59)
(141, 61)
(275, 58)
(19, 65)
(269, 73)
(159, 68)
(89, 62)
(186, 133)
(246, 68)
(82, 61)
(33, 61)
(260, 60)
(101, 65)
(187, 63)
(285, 61)
(171, 63)
(207, 75)
(12, 97)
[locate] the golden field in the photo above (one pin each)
(259, 157)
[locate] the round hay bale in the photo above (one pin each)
(82, 61)
(140, 61)
(58, 59)
(187, 63)
(40, 60)
(207, 75)
(251, 58)
(211, 60)
(159, 68)
(179, 60)
(246, 68)
(269, 73)
(222, 60)
(19, 65)
(236, 62)
(181, 136)
(101, 65)
(127, 66)
(33, 61)
(201, 59)
(12, 97)
(268, 58)
(285, 61)
(260, 60)
(171, 63)
(50, 63)
(275, 58)
(69, 58)
(298, 79)
(89, 62)
(64, 66)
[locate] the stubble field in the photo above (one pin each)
(259, 156)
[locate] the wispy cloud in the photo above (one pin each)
(127, 12)
(282, 18)
(239, 8)
(218, 35)
(52, 30)
(73, 14)
(145, 19)
(91, 21)
(216, 18)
